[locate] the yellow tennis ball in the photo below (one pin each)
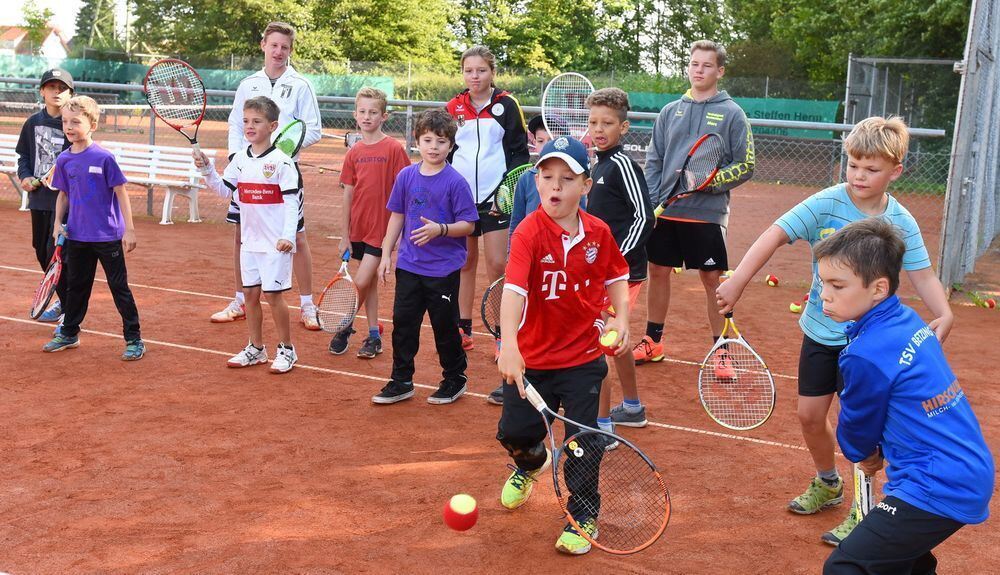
(608, 339)
(678, 270)
(794, 308)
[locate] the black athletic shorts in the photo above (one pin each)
(489, 222)
(819, 373)
(359, 249)
(693, 245)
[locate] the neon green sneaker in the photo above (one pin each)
(572, 542)
(840, 532)
(517, 489)
(818, 497)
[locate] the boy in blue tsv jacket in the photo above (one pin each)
(900, 402)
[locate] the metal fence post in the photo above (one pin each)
(409, 128)
(152, 142)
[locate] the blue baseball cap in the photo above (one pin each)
(569, 150)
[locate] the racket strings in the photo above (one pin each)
(736, 387)
(44, 292)
(566, 106)
(704, 161)
(290, 141)
(618, 488)
(175, 91)
(338, 305)
(491, 308)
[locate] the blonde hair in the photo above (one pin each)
(710, 46)
(614, 98)
(873, 137)
(484, 53)
(372, 94)
(84, 105)
(280, 28)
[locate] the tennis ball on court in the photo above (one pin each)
(678, 270)
(772, 280)
(461, 512)
(795, 308)
(607, 340)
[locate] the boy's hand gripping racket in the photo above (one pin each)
(338, 304)
(45, 179)
(490, 309)
(700, 167)
(43, 295)
(176, 95)
(621, 489)
(735, 386)
(564, 105)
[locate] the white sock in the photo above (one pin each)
(240, 298)
(305, 300)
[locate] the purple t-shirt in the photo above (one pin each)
(445, 198)
(89, 179)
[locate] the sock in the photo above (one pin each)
(239, 298)
(604, 423)
(829, 476)
(305, 300)
(632, 405)
(255, 347)
(465, 325)
(373, 333)
(654, 331)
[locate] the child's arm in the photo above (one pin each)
(25, 159)
(62, 202)
(290, 201)
(511, 363)
(864, 406)
(618, 294)
(730, 291)
(345, 223)
(633, 184)
(308, 111)
(432, 229)
(128, 240)
(930, 290)
(212, 179)
(389, 245)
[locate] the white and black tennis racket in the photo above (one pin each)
(621, 489)
(289, 139)
(176, 94)
(338, 304)
(700, 168)
(735, 385)
(864, 495)
(490, 309)
(564, 105)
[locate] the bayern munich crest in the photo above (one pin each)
(590, 252)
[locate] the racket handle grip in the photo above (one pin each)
(659, 210)
(534, 397)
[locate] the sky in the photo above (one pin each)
(65, 13)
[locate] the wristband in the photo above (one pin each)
(446, 229)
(441, 229)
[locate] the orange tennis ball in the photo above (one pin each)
(794, 307)
(461, 512)
(772, 280)
(607, 341)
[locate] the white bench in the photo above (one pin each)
(143, 164)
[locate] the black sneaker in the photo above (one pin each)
(338, 344)
(371, 347)
(496, 396)
(447, 393)
(393, 392)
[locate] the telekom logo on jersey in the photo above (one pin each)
(555, 281)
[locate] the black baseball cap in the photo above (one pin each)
(57, 74)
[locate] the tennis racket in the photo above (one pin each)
(621, 489)
(289, 139)
(45, 179)
(176, 95)
(700, 167)
(863, 492)
(503, 197)
(735, 386)
(564, 105)
(490, 309)
(45, 290)
(338, 304)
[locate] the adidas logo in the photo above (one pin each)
(600, 180)
(709, 262)
(548, 259)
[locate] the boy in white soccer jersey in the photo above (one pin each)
(263, 181)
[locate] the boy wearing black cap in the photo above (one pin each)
(41, 140)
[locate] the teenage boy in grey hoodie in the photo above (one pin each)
(692, 231)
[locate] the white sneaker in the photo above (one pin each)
(284, 359)
(249, 356)
(234, 311)
(308, 317)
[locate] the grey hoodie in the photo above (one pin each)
(678, 126)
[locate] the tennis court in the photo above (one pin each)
(177, 464)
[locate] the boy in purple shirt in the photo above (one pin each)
(432, 207)
(99, 227)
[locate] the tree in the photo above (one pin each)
(36, 22)
(95, 25)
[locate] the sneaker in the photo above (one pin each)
(394, 392)
(840, 532)
(723, 365)
(249, 356)
(572, 542)
(308, 317)
(338, 344)
(234, 311)
(647, 350)
(517, 489)
(496, 352)
(52, 315)
(371, 347)
(284, 359)
(610, 443)
(818, 497)
(496, 396)
(623, 417)
(134, 350)
(467, 343)
(448, 392)
(61, 342)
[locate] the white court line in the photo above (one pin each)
(383, 320)
(48, 327)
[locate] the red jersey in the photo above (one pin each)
(372, 169)
(564, 282)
